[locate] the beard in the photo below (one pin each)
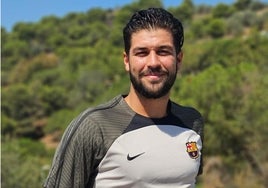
(154, 90)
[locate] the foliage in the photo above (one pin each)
(53, 69)
(222, 11)
(23, 163)
(242, 4)
(185, 11)
(216, 28)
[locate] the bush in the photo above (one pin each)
(234, 25)
(19, 102)
(216, 28)
(222, 11)
(21, 164)
(249, 18)
(59, 121)
(53, 99)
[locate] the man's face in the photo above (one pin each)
(152, 62)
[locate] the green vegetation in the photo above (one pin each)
(53, 69)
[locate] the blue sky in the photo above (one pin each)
(13, 11)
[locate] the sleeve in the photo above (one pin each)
(198, 126)
(77, 156)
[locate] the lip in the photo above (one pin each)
(154, 77)
(155, 74)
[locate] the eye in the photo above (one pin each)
(164, 52)
(141, 53)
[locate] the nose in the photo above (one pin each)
(153, 60)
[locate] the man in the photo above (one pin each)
(142, 139)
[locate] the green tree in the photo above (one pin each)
(97, 15)
(18, 102)
(242, 4)
(26, 69)
(185, 11)
(13, 51)
(52, 99)
(24, 31)
(22, 162)
(147, 4)
(53, 69)
(222, 11)
(221, 94)
(198, 29)
(216, 28)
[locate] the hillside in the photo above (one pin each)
(53, 69)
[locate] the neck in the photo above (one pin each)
(153, 108)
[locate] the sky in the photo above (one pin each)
(13, 11)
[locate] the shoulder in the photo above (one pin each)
(89, 120)
(189, 116)
(184, 111)
(98, 112)
(107, 120)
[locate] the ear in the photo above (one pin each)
(179, 59)
(126, 61)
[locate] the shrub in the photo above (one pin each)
(216, 28)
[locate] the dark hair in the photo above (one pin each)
(154, 18)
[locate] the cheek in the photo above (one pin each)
(133, 69)
(170, 65)
(137, 65)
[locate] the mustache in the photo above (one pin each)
(152, 71)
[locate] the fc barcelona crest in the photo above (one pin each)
(192, 150)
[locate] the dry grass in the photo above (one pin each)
(216, 175)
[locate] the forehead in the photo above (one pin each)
(151, 37)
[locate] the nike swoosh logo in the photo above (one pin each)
(130, 158)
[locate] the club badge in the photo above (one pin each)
(192, 150)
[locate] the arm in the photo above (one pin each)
(75, 160)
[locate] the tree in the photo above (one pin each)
(147, 4)
(234, 26)
(221, 94)
(22, 162)
(242, 4)
(97, 15)
(216, 28)
(19, 102)
(12, 52)
(24, 31)
(198, 29)
(52, 99)
(53, 69)
(185, 11)
(222, 11)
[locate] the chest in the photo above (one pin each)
(154, 155)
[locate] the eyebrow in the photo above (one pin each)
(139, 49)
(160, 47)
